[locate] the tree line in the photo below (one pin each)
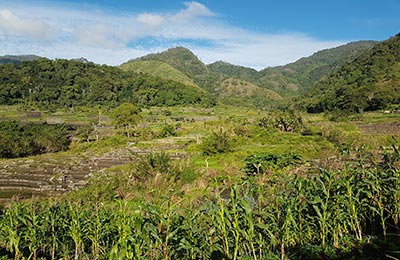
(55, 84)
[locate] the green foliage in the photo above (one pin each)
(231, 70)
(54, 84)
(153, 164)
(264, 162)
(168, 130)
(370, 82)
(158, 69)
(217, 142)
(125, 115)
(180, 58)
(17, 140)
(301, 75)
(322, 213)
(284, 121)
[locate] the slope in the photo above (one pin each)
(370, 82)
(231, 70)
(235, 91)
(158, 69)
(304, 73)
(181, 59)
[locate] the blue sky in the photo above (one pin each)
(250, 33)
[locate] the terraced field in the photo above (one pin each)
(49, 175)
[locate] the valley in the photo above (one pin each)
(165, 157)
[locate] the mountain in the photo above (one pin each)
(181, 59)
(17, 59)
(370, 82)
(225, 80)
(158, 69)
(221, 79)
(231, 70)
(305, 72)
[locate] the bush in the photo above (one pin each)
(217, 142)
(17, 140)
(153, 164)
(284, 121)
(260, 163)
(167, 130)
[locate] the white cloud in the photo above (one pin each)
(113, 38)
(192, 10)
(16, 25)
(152, 20)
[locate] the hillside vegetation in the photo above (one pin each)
(370, 82)
(231, 70)
(180, 58)
(157, 69)
(64, 84)
(289, 80)
(304, 73)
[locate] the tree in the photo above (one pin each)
(125, 116)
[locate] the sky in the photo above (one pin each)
(252, 33)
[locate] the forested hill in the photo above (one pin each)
(68, 83)
(370, 82)
(158, 69)
(298, 76)
(304, 73)
(231, 70)
(180, 58)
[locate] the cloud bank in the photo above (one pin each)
(113, 38)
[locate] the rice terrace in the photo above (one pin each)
(156, 144)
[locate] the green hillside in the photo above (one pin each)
(238, 92)
(231, 70)
(180, 58)
(241, 88)
(67, 83)
(158, 69)
(304, 73)
(370, 82)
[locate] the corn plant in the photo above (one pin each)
(99, 231)
(33, 229)
(10, 232)
(53, 217)
(322, 204)
(77, 227)
(122, 248)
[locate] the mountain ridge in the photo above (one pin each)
(370, 82)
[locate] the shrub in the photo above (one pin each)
(153, 164)
(167, 130)
(260, 163)
(217, 142)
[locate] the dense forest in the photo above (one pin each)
(55, 84)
